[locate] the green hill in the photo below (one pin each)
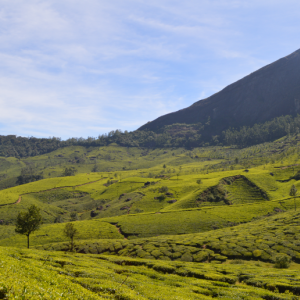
(263, 240)
(205, 223)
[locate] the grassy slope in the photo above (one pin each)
(32, 274)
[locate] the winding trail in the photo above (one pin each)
(119, 230)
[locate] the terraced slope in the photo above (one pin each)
(35, 274)
(243, 191)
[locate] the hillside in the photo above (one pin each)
(270, 92)
(31, 274)
(262, 240)
(208, 187)
(115, 159)
(203, 223)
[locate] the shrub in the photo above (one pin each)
(161, 197)
(163, 189)
(74, 216)
(282, 262)
(237, 262)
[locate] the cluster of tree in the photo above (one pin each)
(12, 145)
(28, 174)
(260, 133)
(69, 171)
(175, 135)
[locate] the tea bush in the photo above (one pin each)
(32, 274)
(282, 262)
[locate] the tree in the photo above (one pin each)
(96, 168)
(164, 166)
(163, 189)
(70, 232)
(59, 219)
(199, 181)
(28, 222)
(69, 171)
(293, 193)
(74, 216)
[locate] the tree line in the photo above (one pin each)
(261, 133)
(175, 135)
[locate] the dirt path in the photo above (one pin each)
(118, 228)
(128, 211)
(19, 200)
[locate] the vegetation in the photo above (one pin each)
(70, 232)
(54, 233)
(28, 222)
(261, 133)
(209, 210)
(169, 136)
(282, 261)
(293, 193)
(267, 240)
(33, 274)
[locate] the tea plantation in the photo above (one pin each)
(262, 240)
(154, 223)
(33, 274)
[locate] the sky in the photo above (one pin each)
(71, 68)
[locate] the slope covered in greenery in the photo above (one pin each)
(32, 274)
(168, 218)
(205, 189)
(263, 240)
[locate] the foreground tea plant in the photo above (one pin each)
(32, 274)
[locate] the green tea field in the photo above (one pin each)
(190, 224)
(33, 274)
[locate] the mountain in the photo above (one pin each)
(270, 92)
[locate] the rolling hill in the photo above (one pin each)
(205, 223)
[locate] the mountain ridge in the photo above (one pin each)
(265, 94)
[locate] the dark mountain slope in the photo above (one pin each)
(272, 91)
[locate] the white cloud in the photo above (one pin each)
(80, 68)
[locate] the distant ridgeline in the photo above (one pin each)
(176, 135)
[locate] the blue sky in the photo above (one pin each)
(83, 68)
